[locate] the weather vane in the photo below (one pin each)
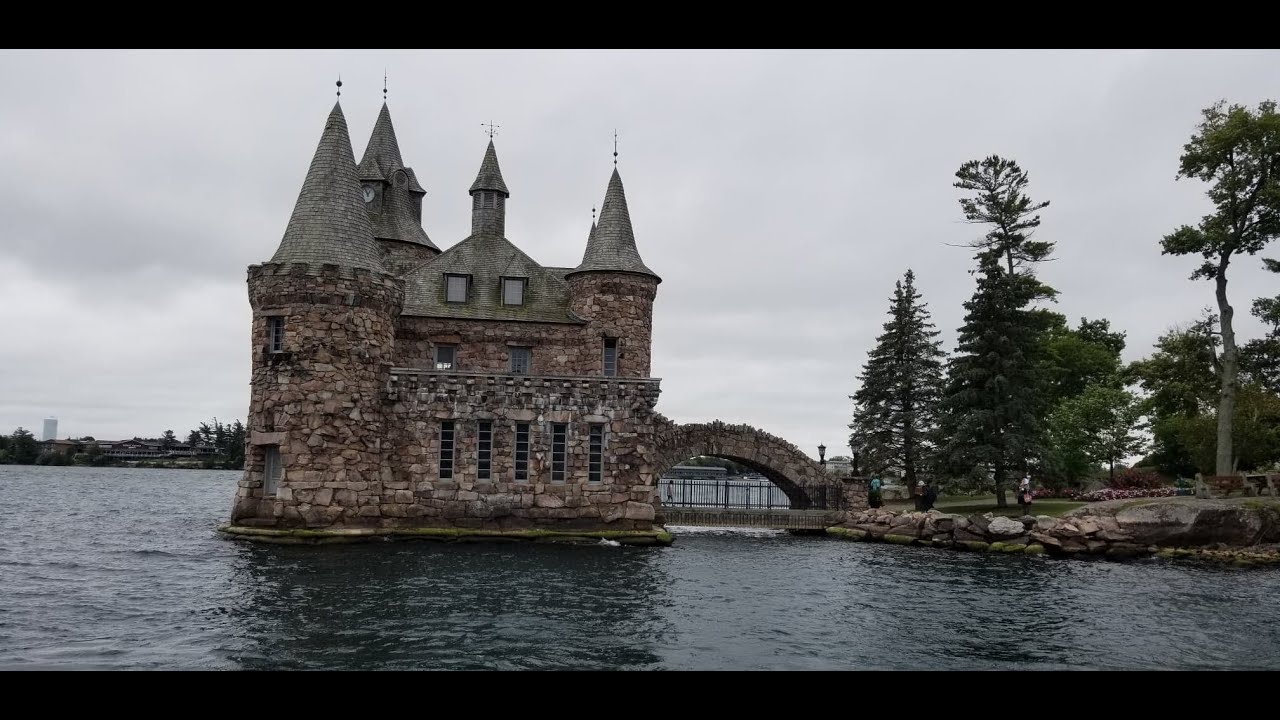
(493, 129)
(339, 84)
(384, 84)
(615, 147)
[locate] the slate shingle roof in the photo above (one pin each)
(611, 246)
(396, 219)
(330, 223)
(487, 259)
(490, 175)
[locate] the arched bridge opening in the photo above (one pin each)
(796, 492)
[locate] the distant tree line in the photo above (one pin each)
(1026, 392)
(227, 440)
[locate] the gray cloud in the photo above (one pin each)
(779, 194)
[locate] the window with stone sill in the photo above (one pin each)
(559, 451)
(270, 469)
(457, 288)
(275, 334)
(521, 360)
(446, 450)
(610, 357)
(522, 452)
(446, 357)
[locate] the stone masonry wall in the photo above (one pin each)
(618, 305)
(484, 346)
(413, 494)
(320, 400)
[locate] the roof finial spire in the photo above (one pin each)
(593, 214)
(492, 129)
(339, 84)
(384, 84)
(615, 147)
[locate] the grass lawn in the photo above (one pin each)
(980, 504)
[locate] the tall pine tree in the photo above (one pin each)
(992, 412)
(901, 383)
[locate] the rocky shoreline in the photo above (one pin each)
(1243, 531)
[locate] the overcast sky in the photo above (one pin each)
(779, 194)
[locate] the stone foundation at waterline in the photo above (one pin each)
(1246, 531)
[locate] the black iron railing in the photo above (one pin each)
(753, 494)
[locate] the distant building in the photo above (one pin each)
(841, 466)
(696, 472)
(50, 429)
(137, 448)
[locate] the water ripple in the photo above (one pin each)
(98, 575)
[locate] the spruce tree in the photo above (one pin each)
(900, 386)
(992, 410)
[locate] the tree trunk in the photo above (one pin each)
(1227, 395)
(1113, 469)
(999, 480)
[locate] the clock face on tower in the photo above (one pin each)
(368, 193)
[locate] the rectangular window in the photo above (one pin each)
(513, 291)
(559, 450)
(521, 359)
(446, 357)
(595, 460)
(275, 334)
(610, 356)
(522, 452)
(488, 200)
(446, 450)
(484, 449)
(456, 288)
(270, 469)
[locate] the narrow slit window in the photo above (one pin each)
(610, 356)
(522, 452)
(270, 469)
(595, 459)
(446, 357)
(559, 450)
(275, 334)
(456, 288)
(521, 359)
(446, 450)
(484, 449)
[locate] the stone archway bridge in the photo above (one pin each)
(814, 498)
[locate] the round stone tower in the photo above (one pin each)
(324, 318)
(613, 290)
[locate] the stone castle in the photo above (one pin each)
(395, 385)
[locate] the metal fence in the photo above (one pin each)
(755, 494)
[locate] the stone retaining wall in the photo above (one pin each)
(1166, 526)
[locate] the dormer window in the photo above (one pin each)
(456, 288)
(513, 290)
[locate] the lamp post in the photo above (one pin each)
(856, 446)
(822, 454)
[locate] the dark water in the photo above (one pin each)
(122, 569)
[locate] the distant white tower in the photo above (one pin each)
(50, 429)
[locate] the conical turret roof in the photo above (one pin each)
(611, 247)
(330, 223)
(490, 175)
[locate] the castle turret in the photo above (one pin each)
(324, 313)
(394, 199)
(613, 290)
(489, 197)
